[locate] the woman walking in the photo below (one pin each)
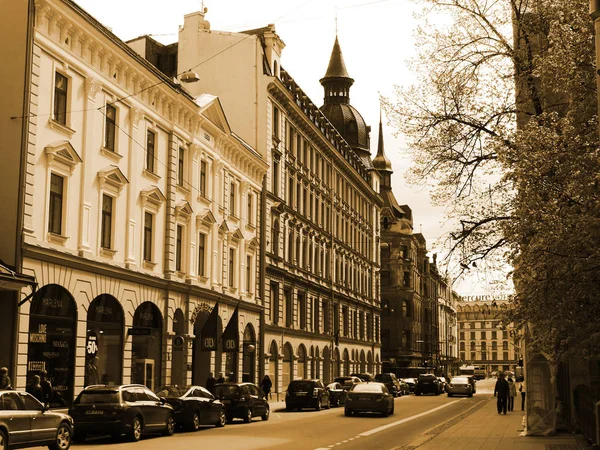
(523, 393)
(265, 385)
(512, 393)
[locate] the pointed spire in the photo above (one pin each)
(337, 67)
(381, 162)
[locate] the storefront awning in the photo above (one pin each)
(14, 281)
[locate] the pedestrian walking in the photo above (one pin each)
(210, 383)
(221, 378)
(512, 393)
(35, 388)
(266, 385)
(501, 392)
(4, 379)
(47, 390)
(523, 393)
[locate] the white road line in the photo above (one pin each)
(408, 419)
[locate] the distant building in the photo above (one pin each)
(483, 338)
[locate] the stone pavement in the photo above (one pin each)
(485, 429)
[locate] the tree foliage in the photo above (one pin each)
(503, 123)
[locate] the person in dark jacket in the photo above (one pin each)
(47, 390)
(210, 383)
(501, 392)
(35, 388)
(266, 385)
(4, 379)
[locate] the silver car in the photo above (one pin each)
(25, 422)
(460, 386)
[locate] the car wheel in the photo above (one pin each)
(266, 415)
(3, 441)
(347, 412)
(385, 412)
(229, 419)
(195, 423)
(318, 407)
(470, 395)
(248, 416)
(62, 441)
(136, 429)
(449, 394)
(222, 419)
(169, 425)
(328, 405)
(392, 411)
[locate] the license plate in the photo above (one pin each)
(364, 399)
(94, 412)
(300, 394)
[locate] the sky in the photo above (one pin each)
(377, 41)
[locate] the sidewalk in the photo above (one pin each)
(485, 429)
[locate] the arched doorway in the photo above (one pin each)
(52, 333)
(363, 361)
(178, 362)
(288, 366)
(336, 363)
(104, 346)
(249, 355)
(146, 347)
(317, 362)
(370, 362)
(201, 360)
(327, 365)
(346, 362)
(302, 362)
(274, 366)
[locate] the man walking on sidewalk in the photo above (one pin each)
(501, 392)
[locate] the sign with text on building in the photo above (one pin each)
(91, 346)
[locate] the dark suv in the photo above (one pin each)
(131, 409)
(427, 383)
(306, 394)
(243, 401)
(391, 383)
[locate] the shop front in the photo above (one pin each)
(146, 345)
(52, 336)
(104, 346)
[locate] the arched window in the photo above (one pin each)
(472, 345)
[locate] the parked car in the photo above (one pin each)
(427, 383)
(25, 422)
(306, 394)
(460, 386)
(243, 401)
(473, 382)
(194, 406)
(369, 397)
(348, 382)
(391, 383)
(130, 409)
(337, 394)
(363, 376)
(443, 383)
(411, 384)
(404, 386)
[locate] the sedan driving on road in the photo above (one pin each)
(25, 422)
(306, 394)
(459, 386)
(427, 383)
(242, 400)
(130, 409)
(194, 406)
(369, 397)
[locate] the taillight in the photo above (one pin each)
(315, 393)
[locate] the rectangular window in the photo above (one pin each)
(61, 85)
(302, 310)
(289, 313)
(203, 178)
(274, 302)
(232, 199)
(275, 122)
(315, 314)
(472, 335)
(250, 208)
(110, 127)
(201, 254)
(179, 248)
(231, 266)
(494, 335)
(148, 235)
(107, 212)
(275, 187)
(505, 356)
(248, 274)
(56, 204)
(345, 318)
(180, 166)
(150, 156)
(483, 335)
(494, 356)
(407, 279)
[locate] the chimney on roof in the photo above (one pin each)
(196, 20)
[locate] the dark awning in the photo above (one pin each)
(14, 281)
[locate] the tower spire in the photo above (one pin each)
(381, 162)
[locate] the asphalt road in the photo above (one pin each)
(416, 419)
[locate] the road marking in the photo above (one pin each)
(408, 419)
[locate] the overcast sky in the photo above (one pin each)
(376, 37)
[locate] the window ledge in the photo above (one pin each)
(108, 252)
(203, 198)
(149, 265)
(250, 226)
(151, 175)
(111, 154)
(182, 189)
(202, 278)
(56, 238)
(62, 128)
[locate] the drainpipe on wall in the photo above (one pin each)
(262, 278)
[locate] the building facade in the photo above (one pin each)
(484, 339)
(138, 215)
(321, 206)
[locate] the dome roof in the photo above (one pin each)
(351, 125)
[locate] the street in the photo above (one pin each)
(308, 429)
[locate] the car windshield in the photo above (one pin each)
(297, 386)
(383, 377)
(171, 391)
(95, 397)
(459, 381)
(345, 380)
(226, 391)
(367, 387)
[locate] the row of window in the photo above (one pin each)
(473, 325)
(483, 345)
(484, 356)
(483, 335)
